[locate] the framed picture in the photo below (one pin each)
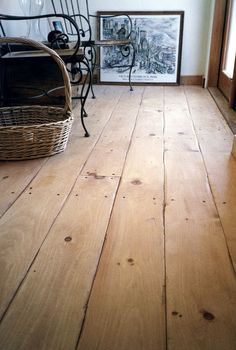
(157, 39)
(56, 24)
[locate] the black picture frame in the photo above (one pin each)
(157, 37)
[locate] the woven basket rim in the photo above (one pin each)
(18, 127)
(64, 116)
(32, 107)
(22, 141)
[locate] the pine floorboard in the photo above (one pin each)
(127, 240)
(130, 278)
(27, 222)
(201, 286)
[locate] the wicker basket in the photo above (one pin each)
(28, 132)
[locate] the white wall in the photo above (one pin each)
(197, 24)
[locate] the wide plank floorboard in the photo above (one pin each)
(125, 241)
(109, 154)
(128, 296)
(14, 178)
(25, 225)
(52, 299)
(201, 288)
(216, 144)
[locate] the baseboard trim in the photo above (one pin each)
(184, 80)
(234, 147)
(192, 80)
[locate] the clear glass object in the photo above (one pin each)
(33, 8)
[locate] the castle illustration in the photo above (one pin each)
(154, 54)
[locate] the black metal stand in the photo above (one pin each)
(75, 60)
(79, 11)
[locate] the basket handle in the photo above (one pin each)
(55, 57)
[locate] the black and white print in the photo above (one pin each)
(157, 39)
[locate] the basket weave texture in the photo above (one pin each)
(28, 132)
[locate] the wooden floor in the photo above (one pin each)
(127, 240)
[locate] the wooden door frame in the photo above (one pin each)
(232, 98)
(217, 46)
(216, 42)
(226, 84)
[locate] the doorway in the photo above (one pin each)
(222, 67)
(227, 72)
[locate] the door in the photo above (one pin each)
(227, 74)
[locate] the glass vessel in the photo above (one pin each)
(33, 8)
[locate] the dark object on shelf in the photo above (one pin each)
(58, 40)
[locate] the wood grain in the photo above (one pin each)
(172, 225)
(225, 85)
(234, 147)
(191, 80)
(64, 270)
(210, 126)
(228, 113)
(26, 224)
(216, 42)
(109, 154)
(220, 164)
(14, 178)
(127, 305)
(201, 286)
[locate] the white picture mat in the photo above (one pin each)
(159, 62)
